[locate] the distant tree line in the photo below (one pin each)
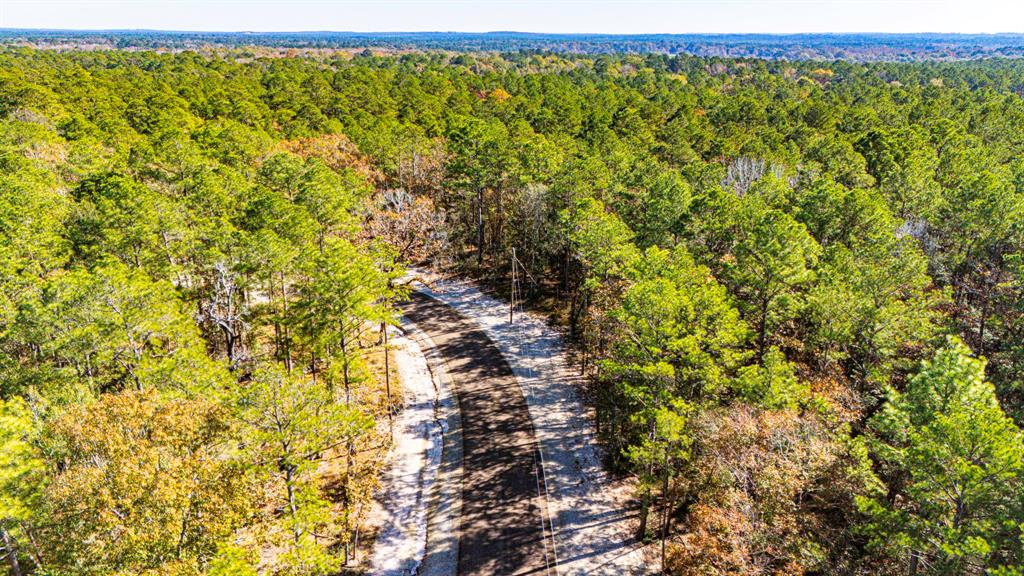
(825, 47)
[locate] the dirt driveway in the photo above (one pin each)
(503, 525)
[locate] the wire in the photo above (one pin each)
(526, 350)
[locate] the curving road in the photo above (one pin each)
(504, 511)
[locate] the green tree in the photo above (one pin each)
(772, 384)
(773, 257)
(21, 480)
(956, 461)
(654, 203)
(678, 340)
(674, 312)
(903, 163)
(117, 328)
(603, 247)
(349, 288)
(479, 163)
(291, 422)
(117, 216)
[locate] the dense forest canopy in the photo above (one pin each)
(797, 289)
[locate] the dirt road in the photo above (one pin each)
(503, 525)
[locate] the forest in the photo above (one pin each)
(819, 46)
(796, 290)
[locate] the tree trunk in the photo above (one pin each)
(497, 229)
(229, 343)
(566, 256)
(350, 451)
(666, 507)
(344, 368)
(12, 552)
(989, 285)
(36, 554)
(286, 334)
(289, 482)
(983, 316)
(762, 337)
(645, 508)
(479, 228)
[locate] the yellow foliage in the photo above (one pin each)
(336, 151)
(499, 95)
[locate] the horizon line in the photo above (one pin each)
(525, 32)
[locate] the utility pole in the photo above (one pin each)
(512, 299)
(387, 382)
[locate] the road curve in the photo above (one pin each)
(502, 527)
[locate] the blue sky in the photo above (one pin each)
(610, 16)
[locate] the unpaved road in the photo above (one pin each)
(504, 510)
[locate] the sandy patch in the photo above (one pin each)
(420, 487)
